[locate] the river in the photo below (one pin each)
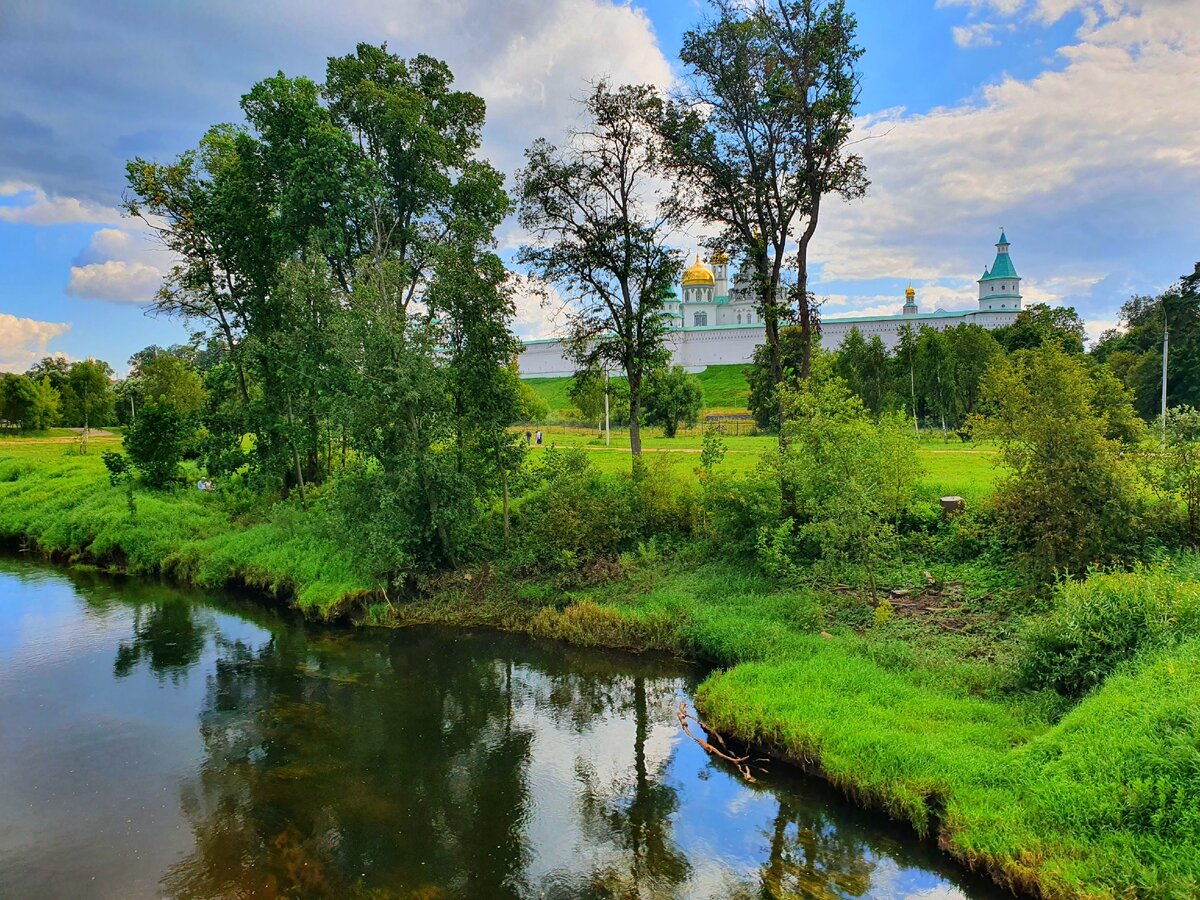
(156, 741)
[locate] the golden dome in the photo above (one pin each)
(698, 274)
(909, 293)
(720, 258)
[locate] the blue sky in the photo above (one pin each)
(1069, 122)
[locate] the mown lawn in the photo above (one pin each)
(725, 390)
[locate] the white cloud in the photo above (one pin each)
(118, 266)
(1076, 159)
(980, 34)
(34, 207)
(540, 308)
(23, 341)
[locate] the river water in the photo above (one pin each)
(162, 742)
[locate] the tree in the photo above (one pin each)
(1134, 352)
(1174, 470)
(155, 442)
(602, 237)
(974, 350)
(87, 398)
(937, 376)
(1038, 324)
(863, 365)
(587, 393)
(1072, 498)
(764, 392)
(18, 398)
(55, 368)
(166, 377)
(757, 138)
(673, 397)
(853, 479)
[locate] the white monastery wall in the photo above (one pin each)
(695, 348)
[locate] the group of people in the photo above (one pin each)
(530, 436)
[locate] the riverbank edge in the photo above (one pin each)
(454, 601)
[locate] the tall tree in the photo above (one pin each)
(760, 134)
(601, 237)
(1134, 352)
(87, 398)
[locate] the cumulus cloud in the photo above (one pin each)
(980, 34)
(1078, 160)
(118, 266)
(30, 205)
(540, 308)
(24, 341)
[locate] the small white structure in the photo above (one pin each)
(713, 324)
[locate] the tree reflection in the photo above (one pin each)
(166, 635)
(812, 859)
(327, 777)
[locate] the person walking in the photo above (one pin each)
(539, 437)
(528, 438)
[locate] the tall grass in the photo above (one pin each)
(62, 504)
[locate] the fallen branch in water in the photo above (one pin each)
(741, 763)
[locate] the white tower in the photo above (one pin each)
(1000, 287)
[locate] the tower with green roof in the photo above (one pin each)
(1000, 286)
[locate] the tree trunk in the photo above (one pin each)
(635, 425)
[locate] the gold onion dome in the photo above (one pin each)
(697, 275)
(909, 293)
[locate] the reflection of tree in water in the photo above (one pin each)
(811, 858)
(166, 635)
(332, 771)
(638, 820)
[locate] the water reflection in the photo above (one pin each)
(413, 764)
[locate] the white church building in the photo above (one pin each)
(715, 323)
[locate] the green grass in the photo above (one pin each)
(920, 712)
(62, 503)
(725, 389)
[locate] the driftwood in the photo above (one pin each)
(741, 763)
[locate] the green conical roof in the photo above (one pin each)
(1003, 266)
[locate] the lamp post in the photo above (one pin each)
(607, 432)
(1164, 376)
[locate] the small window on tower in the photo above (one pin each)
(701, 319)
(739, 318)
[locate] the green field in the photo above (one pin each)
(725, 390)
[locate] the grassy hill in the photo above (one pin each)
(725, 389)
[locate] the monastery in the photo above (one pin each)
(714, 322)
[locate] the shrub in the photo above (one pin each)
(1099, 623)
(577, 517)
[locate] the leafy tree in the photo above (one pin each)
(1134, 352)
(764, 393)
(937, 376)
(602, 237)
(1175, 468)
(1071, 499)
(853, 479)
(974, 350)
(760, 135)
(587, 394)
(155, 442)
(166, 377)
(533, 407)
(17, 400)
(1038, 324)
(863, 365)
(87, 398)
(673, 397)
(56, 368)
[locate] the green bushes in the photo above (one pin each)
(1099, 623)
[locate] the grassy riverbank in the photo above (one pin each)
(916, 704)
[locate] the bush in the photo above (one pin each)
(1099, 623)
(577, 517)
